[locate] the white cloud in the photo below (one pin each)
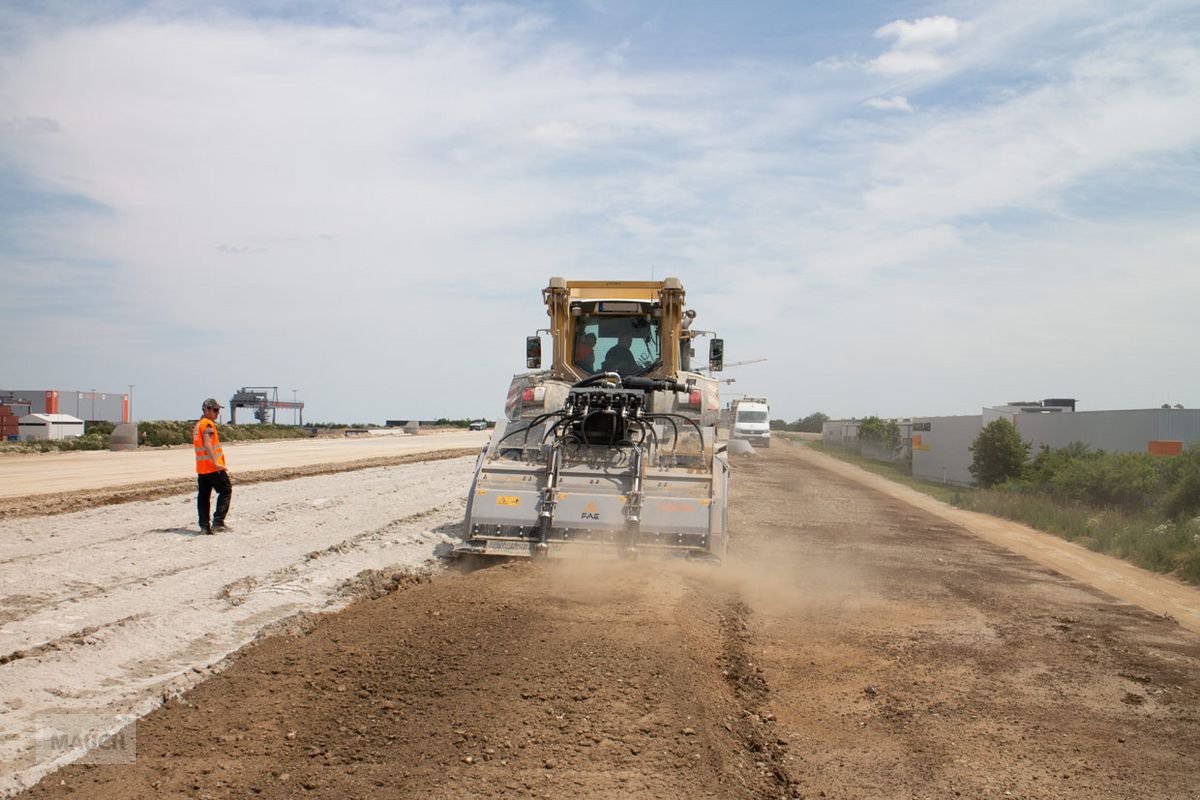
(895, 103)
(365, 204)
(917, 45)
(558, 133)
(927, 33)
(1025, 150)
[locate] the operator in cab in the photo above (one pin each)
(585, 353)
(619, 358)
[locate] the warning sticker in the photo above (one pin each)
(508, 500)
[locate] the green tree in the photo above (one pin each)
(879, 432)
(812, 423)
(999, 453)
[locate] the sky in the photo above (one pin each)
(906, 208)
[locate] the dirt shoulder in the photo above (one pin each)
(1156, 593)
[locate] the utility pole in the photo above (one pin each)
(93, 405)
(131, 402)
(295, 410)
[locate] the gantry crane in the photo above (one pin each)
(264, 400)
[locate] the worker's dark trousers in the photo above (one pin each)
(205, 484)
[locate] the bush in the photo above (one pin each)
(1050, 461)
(99, 426)
(243, 433)
(168, 432)
(1183, 498)
(165, 432)
(1128, 481)
(885, 434)
(999, 454)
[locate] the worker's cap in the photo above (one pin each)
(211, 403)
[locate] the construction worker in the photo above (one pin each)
(619, 357)
(585, 353)
(210, 469)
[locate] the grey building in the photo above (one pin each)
(941, 448)
(842, 432)
(89, 405)
(941, 445)
(1146, 430)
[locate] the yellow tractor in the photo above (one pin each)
(612, 451)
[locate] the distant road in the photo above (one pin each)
(51, 473)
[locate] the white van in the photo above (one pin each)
(751, 421)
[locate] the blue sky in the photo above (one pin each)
(907, 208)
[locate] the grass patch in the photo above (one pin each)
(1143, 538)
(893, 472)
(1148, 538)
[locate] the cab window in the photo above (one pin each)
(641, 333)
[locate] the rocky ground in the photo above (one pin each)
(852, 647)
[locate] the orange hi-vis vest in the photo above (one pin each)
(204, 464)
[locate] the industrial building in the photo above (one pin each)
(941, 446)
(49, 426)
(89, 405)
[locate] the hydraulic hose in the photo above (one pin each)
(654, 384)
(688, 420)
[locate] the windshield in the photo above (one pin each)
(627, 345)
(752, 416)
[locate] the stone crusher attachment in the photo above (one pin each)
(619, 462)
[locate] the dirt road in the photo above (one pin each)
(854, 647)
(43, 473)
(59, 483)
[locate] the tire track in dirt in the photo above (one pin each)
(756, 725)
(83, 637)
(236, 591)
(523, 680)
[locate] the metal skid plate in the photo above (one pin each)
(499, 547)
(592, 509)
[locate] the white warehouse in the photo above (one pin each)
(49, 426)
